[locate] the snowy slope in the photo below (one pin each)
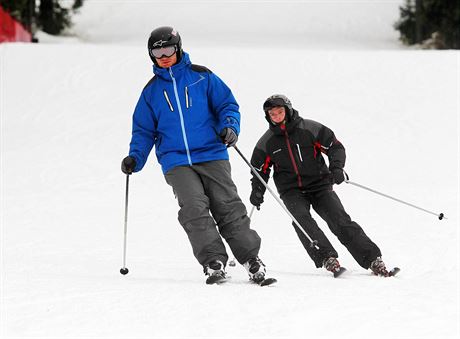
(307, 24)
(65, 126)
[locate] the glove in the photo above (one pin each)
(256, 198)
(128, 164)
(338, 176)
(228, 136)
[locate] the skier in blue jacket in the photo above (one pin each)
(190, 115)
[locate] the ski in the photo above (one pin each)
(339, 272)
(394, 271)
(267, 282)
(391, 273)
(216, 280)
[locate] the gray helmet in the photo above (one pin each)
(278, 100)
(163, 37)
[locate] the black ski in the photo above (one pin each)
(394, 271)
(339, 272)
(216, 279)
(391, 273)
(267, 282)
(219, 279)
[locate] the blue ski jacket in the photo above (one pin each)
(181, 112)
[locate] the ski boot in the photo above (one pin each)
(215, 271)
(332, 264)
(378, 268)
(256, 269)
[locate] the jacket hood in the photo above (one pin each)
(176, 69)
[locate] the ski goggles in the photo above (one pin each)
(161, 52)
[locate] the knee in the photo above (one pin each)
(305, 219)
(348, 231)
(233, 212)
(338, 222)
(193, 210)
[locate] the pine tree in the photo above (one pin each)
(51, 17)
(77, 4)
(424, 19)
(406, 23)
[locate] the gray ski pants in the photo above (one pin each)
(208, 187)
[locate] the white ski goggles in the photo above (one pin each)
(161, 52)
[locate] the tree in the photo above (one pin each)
(424, 19)
(51, 17)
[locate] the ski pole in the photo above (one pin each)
(252, 211)
(232, 262)
(313, 243)
(440, 215)
(124, 270)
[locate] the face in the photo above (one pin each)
(277, 114)
(166, 62)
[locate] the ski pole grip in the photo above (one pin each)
(345, 174)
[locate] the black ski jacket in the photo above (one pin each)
(294, 150)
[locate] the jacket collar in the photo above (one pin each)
(294, 120)
(176, 69)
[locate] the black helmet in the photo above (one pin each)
(163, 37)
(278, 100)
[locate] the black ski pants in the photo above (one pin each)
(328, 206)
(208, 197)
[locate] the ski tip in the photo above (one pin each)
(268, 282)
(394, 271)
(339, 272)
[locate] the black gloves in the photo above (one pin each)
(338, 175)
(229, 137)
(128, 164)
(256, 198)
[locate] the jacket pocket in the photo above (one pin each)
(300, 153)
(309, 165)
(188, 99)
(280, 157)
(196, 93)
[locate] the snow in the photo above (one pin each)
(66, 107)
(309, 24)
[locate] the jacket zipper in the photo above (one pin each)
(179, 107)
(168, 101)
(291, 155)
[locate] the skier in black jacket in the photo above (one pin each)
(293, 146)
